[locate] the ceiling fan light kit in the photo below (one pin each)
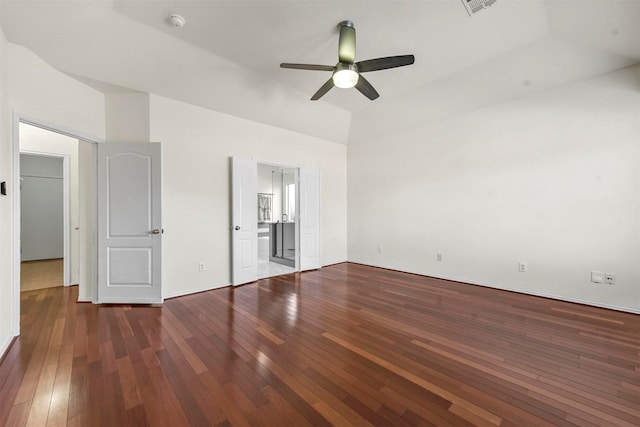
(347, 73)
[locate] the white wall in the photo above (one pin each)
(33, 139)
(42, 216)
(6, 291)
(552, 179)
(35, 90)
(196, 147)
(39, 91)
(127, 117)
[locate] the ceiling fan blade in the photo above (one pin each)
(347, 42)
(312, 67)
(324, 89)
(384, 63)
(366, 89)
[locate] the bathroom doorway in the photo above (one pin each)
(247, 219)
(278, 224)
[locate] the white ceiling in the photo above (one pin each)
(227, 55)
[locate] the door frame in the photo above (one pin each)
(16, 208)
(298, 261)
(66, 210)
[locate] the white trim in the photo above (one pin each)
(66, 215)
(94, 228)
(197, 291)
(5, 346)
(57, 129)
(128, 301)
(15, 224)
(546, 295)
(15, 188)
(296, 225)
(66, 210)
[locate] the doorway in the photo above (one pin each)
(86, 228)
(49, 199)
(43, 222)
(247, 206)
(277, 220)
(31, 136)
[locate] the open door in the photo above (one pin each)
(309, 219)
(244, 225)
(129, 223)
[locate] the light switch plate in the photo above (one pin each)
(597, 277)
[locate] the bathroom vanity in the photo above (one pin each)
(283, 243)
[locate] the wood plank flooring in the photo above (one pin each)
(345, 345)
(40, 274)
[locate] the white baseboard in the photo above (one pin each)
(197, 291)
(545, 295)
(519, 291)
(5, 345)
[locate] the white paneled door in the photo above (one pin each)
(244, 225)
(309, 219)
(129, 223)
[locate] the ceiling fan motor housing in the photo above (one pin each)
(347, 42)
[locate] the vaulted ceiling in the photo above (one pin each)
(227, 56)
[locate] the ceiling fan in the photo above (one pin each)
(347, 73)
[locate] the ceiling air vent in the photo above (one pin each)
(474, 6)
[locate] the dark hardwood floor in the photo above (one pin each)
(345, 345)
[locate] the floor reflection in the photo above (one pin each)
(279, 302)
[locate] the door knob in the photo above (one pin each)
(155, 231)
(237, 227)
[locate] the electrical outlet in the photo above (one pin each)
(202, 266)
(522, 267)
(379, 250)
(610, 278)
(439, 257)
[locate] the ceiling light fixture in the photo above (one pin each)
(345, 75)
